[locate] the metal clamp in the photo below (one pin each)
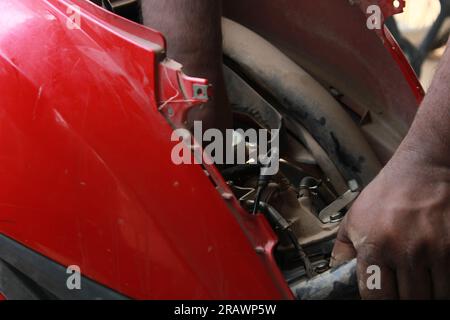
(333, 212)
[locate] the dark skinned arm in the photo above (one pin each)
(401, 222)
(194, 37)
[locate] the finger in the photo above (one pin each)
(414, 283)
(343, 250)
(376, 280)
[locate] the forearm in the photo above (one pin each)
(400, 222)
(429, 136)
(192, 29)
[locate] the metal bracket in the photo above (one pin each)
(333, 213)
(178, 93)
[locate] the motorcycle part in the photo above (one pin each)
(336, 284)
(302, 98)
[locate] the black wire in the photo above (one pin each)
(282, 225)
(259, 192)
(306, 262)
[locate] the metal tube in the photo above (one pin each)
(336, 284)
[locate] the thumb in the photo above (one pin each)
(343, 250)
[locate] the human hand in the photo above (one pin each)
(401, 223)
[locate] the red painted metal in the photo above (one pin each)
(388, 9)
(2, 297)
(177, 92)
(87, 177)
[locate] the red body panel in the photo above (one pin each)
(87, 177)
